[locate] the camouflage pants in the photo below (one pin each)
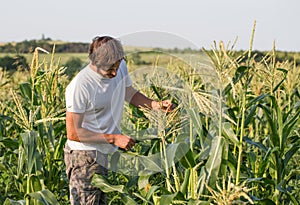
(80, 167)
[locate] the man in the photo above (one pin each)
(94, 103)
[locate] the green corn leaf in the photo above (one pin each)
(263, 164)
(203, 155)
(197, 124)
(25, 89)
(145, 137)
(290, 124)
(13, 202)
(151, 162)
(273, 125)
(232, 113)
(251, 156)
(214, 161)
(9, 143)
(232, 162)
(145, 201)
(229, 134)
(128, 200)
(203, 180)
(167, 199)
(185, 183)
(293, 198)
(262, 180)
(188, 161)
(293, 174)
(198, 202)
(151, 192)
(30, 149)
(102, 183)
(282, 80)
(256, 144)
(59, 149)
(266, 202)
(156, 91)
(114, 161)
(2, 167)
(180, 151)
(45, 196)
(224, 163)
(35, 183)
(290, 153)
(240, 72)
(250, 116)
(143, 181)
(257, 99)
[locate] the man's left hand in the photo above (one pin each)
(165, 105)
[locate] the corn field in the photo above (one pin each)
(233, 138)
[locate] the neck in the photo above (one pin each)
(94, 68)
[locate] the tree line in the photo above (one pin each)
(28, 46)
(17, 62)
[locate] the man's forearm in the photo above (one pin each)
(88, 136)
(77, 133)
(138, 99)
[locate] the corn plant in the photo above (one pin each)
(263, 120)
(233, 137)
(185, 167)
(38, 111)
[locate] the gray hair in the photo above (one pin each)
(105, 51)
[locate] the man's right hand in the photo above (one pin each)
(123, 141)
(76, 132)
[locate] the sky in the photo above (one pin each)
(158, 23)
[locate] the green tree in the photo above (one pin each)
(73, 65)
(14, 63)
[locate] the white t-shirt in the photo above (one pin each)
(101, 100)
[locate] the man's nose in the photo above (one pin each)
(114, 73)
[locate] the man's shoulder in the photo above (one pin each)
(84, 75)
(123, 64)
(123, 67)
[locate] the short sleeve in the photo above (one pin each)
(76, 97)
(127, 78)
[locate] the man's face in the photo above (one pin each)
(112, 71)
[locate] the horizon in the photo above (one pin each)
(199, 22)
(192, 47)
